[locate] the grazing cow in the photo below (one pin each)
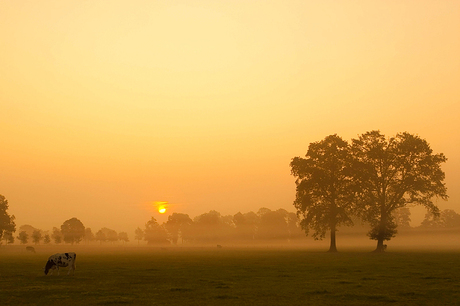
(30, 249)
(61, 260)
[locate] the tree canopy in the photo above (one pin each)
(73, 231)
(391, 173)
(323, 194)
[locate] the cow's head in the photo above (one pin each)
(49, 265)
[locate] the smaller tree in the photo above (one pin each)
(155, 233)
(101, 236)
(175, 225)
(138, 234)
(46, 239)
(123, 236)
(56, 235)
(110, 234)
(36, 236)
(23, 237)
(73, 231)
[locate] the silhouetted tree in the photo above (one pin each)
(323, 194)
(392, 173)
(23, 237)
(176, 225)
(154, 233)
(73, 231)
(36, 236)
(123, 236)
(6, 221)
(46, 239)
(56, 235)
(101, 236)
(138, 234)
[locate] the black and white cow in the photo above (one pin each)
(61, 260)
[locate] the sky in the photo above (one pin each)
(110, 106)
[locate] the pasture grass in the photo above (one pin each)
(232, 276)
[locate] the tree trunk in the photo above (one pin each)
(380, 246)
(333, 247)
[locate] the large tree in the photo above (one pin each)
(7, 224)
(323, 194)
(73, 231)
(390, 173)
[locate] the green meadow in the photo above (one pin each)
(231, 276)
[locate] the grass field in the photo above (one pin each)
(232, 276)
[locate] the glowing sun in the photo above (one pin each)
(161, 209)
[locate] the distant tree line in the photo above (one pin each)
(264, 226)
(72, 231)
(212, 227)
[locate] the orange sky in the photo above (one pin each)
(107, 106)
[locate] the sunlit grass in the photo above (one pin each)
(208, 276)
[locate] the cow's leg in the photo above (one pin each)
(57, 267)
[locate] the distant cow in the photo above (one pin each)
(61, 260)
(30, 249)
